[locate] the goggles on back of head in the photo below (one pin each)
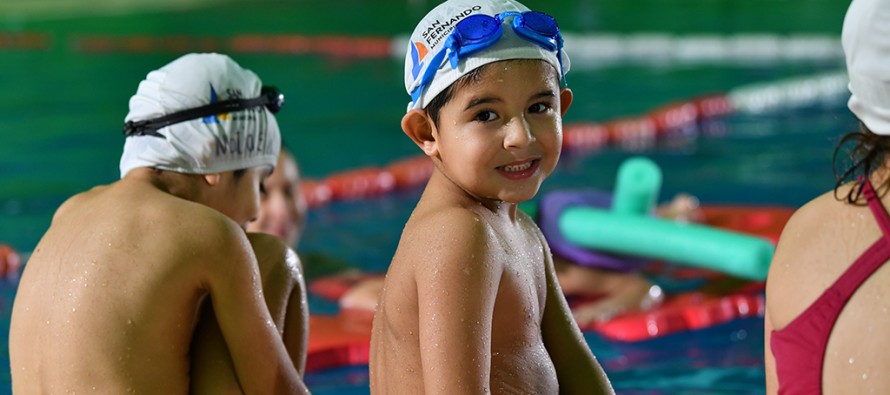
(270, 97)
(478, 32)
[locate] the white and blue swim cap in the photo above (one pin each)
(866, 42)
(431, 33)
(216, 143)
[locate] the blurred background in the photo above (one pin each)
(70, 66)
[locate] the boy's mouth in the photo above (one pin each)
(519, 170)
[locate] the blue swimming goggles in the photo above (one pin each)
(478, 32)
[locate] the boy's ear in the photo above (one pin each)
(419, 127)
(565, 100)
(212, 179)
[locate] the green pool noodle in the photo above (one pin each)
(681, 243)
(636, 186)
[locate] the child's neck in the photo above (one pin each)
(445, 188)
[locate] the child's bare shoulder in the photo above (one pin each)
(456, 223)
(447, 235)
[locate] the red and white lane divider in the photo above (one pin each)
(590, 136)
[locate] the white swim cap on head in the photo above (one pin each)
(211, 144)
(866, 41)
(430, 35)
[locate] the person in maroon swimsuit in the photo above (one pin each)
(827, 303)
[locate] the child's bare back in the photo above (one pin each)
(464, 271)
(108, 302)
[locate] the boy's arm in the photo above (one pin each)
(577, 370)
(284, 289)
(456, 287)
(296, 320)
(232, 277)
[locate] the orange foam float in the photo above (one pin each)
(345, 339)
(340, 340)
(10, 261)
(681, 313)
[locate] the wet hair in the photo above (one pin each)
(866, 153)
(475, 75)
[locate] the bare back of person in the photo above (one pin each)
(109, 299)
(465, 284)
(820, 242)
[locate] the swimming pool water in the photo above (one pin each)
(62, 109)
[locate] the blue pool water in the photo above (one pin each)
(61, 109)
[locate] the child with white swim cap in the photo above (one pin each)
(471, 303)
(111, 296)
(826, 292)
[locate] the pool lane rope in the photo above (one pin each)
(630, 131)
(589, 50)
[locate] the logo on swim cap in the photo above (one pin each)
(418, 53)
(214, 98)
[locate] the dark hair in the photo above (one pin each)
(866, 155)
(435, 105)
(445, 96)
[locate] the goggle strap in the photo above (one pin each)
(149, 127)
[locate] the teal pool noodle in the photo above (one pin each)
(681, 243)
(636, 186)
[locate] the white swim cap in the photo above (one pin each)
(212, 144)
(431, 33)
(866, 42)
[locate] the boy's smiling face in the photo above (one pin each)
(500, 135)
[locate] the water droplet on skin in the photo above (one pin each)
(865, 376)
(851, 360)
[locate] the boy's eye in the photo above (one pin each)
(486, 116)
(539, 107)
(263, 188)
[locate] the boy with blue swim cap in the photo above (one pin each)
(471, 303)
(111, 297)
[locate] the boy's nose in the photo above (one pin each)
(519, 134)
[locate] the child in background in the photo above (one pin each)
(471, 303)
(109, 299)
(826, 293)
(282, 206)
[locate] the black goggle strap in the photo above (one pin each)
(270, 97)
